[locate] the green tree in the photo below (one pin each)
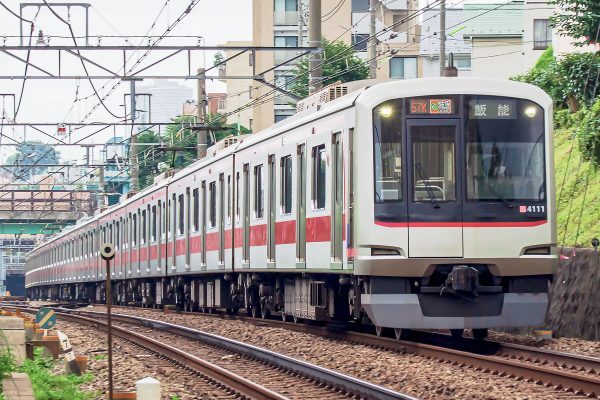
(570, 81)
(149, 157)
(579, 19)
(32, 153)
(340, 64)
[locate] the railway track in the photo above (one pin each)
(241, 373)
(563, 371)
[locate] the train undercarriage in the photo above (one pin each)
(321, 297)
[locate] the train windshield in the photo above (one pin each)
(388, 152)
(504, 149)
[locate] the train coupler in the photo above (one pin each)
(463, 280)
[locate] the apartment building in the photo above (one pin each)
(280, 23)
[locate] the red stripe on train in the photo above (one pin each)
(500, 224)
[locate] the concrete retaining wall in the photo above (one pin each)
(575, 296)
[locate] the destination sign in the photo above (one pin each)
(431, 106)
(492, 109)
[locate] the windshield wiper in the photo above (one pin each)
(427, 187)
(499, 196)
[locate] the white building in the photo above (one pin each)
(163, 99)
(455, 43)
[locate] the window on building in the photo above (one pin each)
(250, 59)
(250, 89)
(403, 67)
(286, 185)
(259, 197)
(212, 194)
(286, 5)
(196, 201)
(360, 41)
(542, 34)
(397, 22)
(360, 5)
(286, 41)
(250, 124)
(180, 209)
(462, 63)
(221, 104)
(319, 163)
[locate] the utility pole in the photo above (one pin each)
(372, 41)
(202, 132)
(300, 26)
(314, 39)
(133, 158)
(442, 37)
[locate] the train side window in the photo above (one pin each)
(164, 220)
(259, 195)
(181, 215)
(212, 193)
(153, 231)
(229, 205)
(319, 163)
(134, 230)
(196, 201)
(117, 236)
(286, 185)
(144, 227)
(237, 196)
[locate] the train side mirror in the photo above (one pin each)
(107, 251)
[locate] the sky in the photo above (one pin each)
(217, 21)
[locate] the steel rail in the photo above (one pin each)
(336, 379)
(494, 363)
(233, 381)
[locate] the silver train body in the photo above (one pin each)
(425, 203)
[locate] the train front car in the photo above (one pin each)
(455, 204)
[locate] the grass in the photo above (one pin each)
(46, 385)
(97, 357)
(576, 175)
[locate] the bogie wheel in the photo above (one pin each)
(265, 311)
(480, 334)
(400, 333)
(457, 333)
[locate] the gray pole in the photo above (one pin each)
(372, 41)
(87, 28)
(202, 132)
(314, 39)
(133, 158)
(109, 329)
(442, 37)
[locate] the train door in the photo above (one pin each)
(337, 202)
(173, 228)
(301, 207)
(434, 206)
(188, 229)
(271, 217)
(246, 222)
(221, 219)
(203, 233)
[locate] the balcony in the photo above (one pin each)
(284, 55)
(285, 18)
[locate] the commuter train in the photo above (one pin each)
(424, 203)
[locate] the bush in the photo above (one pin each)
(588, 133)
(569, 81)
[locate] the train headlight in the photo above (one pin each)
(386, 111)
(530, 111)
